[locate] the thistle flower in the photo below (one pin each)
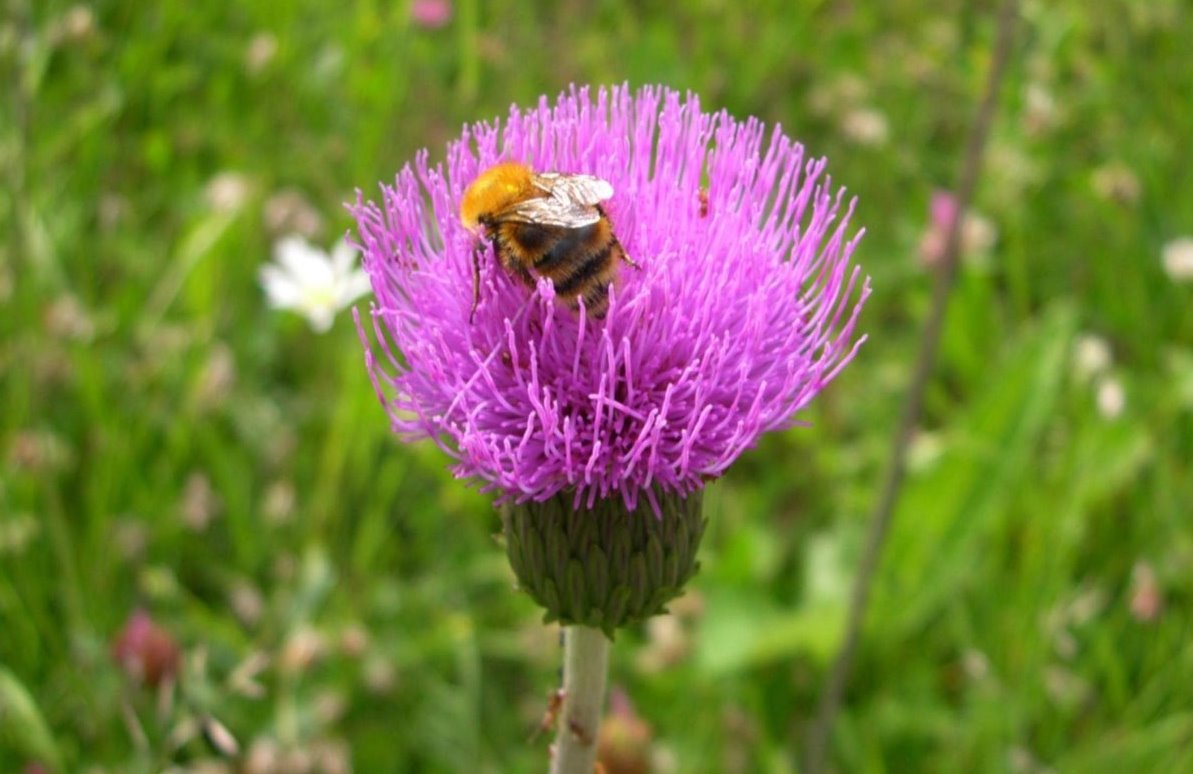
(734, 322)
(742, 310)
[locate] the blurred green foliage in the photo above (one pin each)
(170, 443)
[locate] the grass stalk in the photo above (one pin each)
(830, 699)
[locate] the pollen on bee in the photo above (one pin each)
(493, 190)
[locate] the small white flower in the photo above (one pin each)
(261, 51)
(306, 280)
(975, 665)
(1091, 356)
(978, 234)
(1178, 259)
(1040, 113)
(228, 191)
(1116, 182)
(865, 126)
(1112, 399)
(924, 451)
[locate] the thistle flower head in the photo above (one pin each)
(741, 309)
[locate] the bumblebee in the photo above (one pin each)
(546, 224)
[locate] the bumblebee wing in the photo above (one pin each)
(580, 189)
(550, 211)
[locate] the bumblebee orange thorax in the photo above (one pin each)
(496, 189)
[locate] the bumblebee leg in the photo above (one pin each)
(626, 257)
(476, 283)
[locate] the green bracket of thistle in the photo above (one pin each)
(607, 567)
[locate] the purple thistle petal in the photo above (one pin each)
(736, 319)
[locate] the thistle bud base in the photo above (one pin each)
(607, 567)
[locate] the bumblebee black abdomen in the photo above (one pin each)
(532, 238)
(580, 262)
(570, 245)
(584, 271)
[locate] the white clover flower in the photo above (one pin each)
(1178, 259)
(1091, 356)
(261, 50)
(1116, 182)
(1112, 398)
(925, 450)
(307, 280)
(228, 191)
(866, 126)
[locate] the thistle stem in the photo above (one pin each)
(585, 664)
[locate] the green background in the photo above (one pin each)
(171, 443)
